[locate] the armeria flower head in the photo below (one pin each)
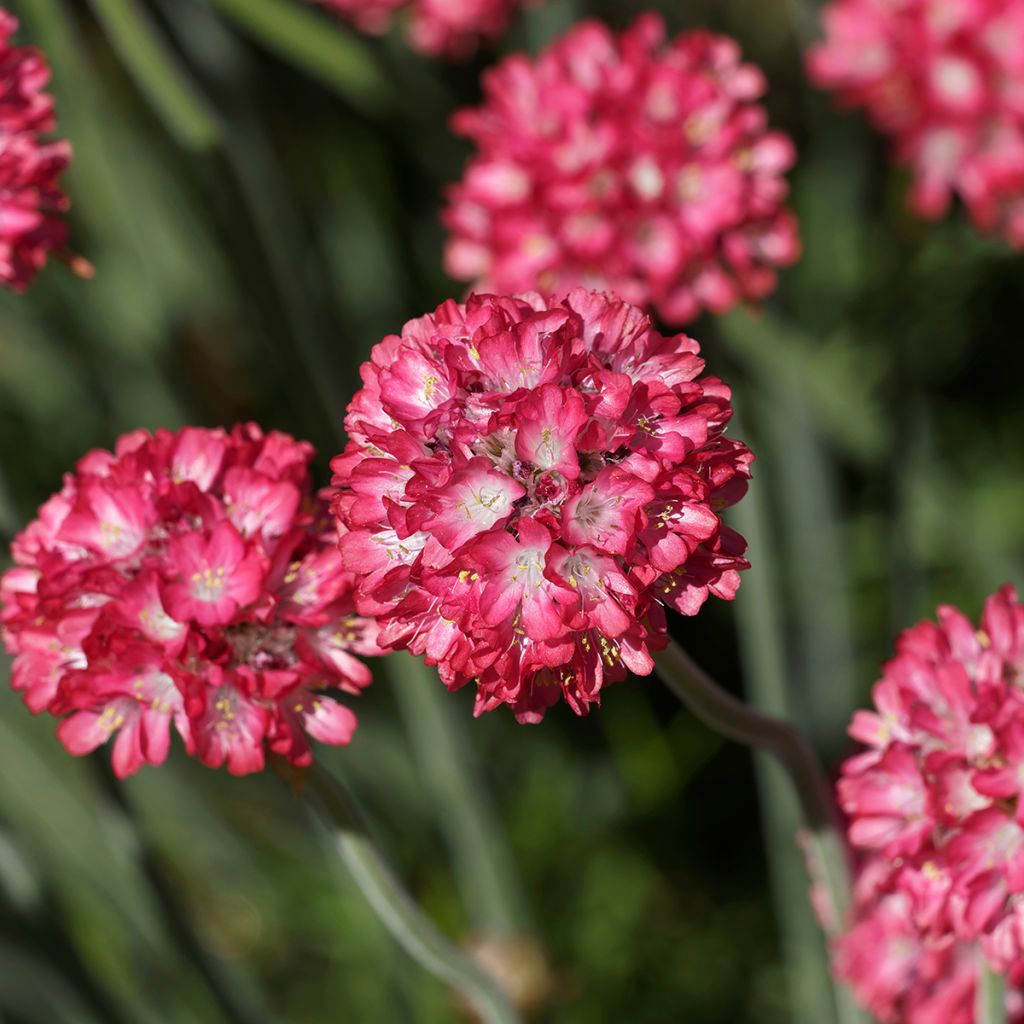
(187, 579)
(528, 482)
(899, 969)
(942, 79)
(450, 28)
(937, 793)
(31, 200)
(626, 163)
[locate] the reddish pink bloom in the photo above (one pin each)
(451, 28)
(937, 792)
(31, 199)
(186, 579)
(942, 80)
(515, 469)
(898, 969)
(626, 163)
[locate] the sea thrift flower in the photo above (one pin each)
(942, 80)
(899, 970)
(187, 579)
(625, 163)
(451, 28)
(936, 795)
(31, 199)
(528, 482)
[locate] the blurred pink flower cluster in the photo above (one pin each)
(629, 164)
(192, 579)
(945, 80)
(899, 968)
(936, 798)
(451, 28)
(528, 481)
(31, 199)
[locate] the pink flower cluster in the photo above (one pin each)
(31, 200)
(527, 483)
(942, 78)
(451, 28)
(628, 164)
(187, 578)
(898, 968)
(936, 798)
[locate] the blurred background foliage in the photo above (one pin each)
(259, 190)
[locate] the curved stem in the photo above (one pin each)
(736, 721)
(991, 999)
(398, 911)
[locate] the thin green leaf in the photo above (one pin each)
(157, 73)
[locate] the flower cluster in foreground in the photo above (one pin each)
(627, 163)
(31, 199)
(528, 481)
(943, 80)
(936, 800)
(187, 578)
(451, 28)
(899, 969)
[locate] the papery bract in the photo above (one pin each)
(628, 163)
(187, 579)
(942, 80)
(515, 467)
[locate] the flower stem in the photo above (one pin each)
(398, 911)
(991, 1008)
(734, 720)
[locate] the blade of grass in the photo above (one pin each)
(307, 39)
(396, 908)
(483, 868)
(158, 74)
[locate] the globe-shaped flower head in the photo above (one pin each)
(527, 483)
(943, 80)
(937, 796)
(626, 163)
(31, 199)
(192, 579)
(449, 28)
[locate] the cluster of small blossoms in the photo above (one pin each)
(936, 798)
(450, 28)
(898, 968)
(527, 483)
(630, 164)
(192, 579)
(942, 79)
(31, 200)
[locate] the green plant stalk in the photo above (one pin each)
(326, 51)
(483, 868)
(736, 721)
(398, 911)
(157, 73)
(991, 1008)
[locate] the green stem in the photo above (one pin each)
(307, 39)
(991, 1008)
(157, 74)
(399, 912)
